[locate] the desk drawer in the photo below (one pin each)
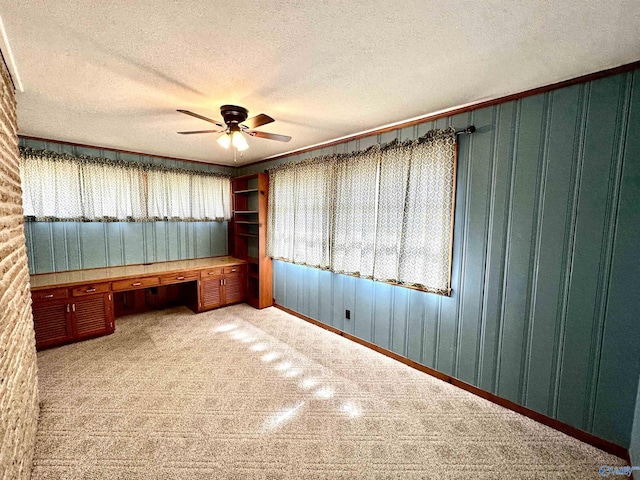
(135, 283)
(178, 277)
(204, 274)
(89, 289)
(49, 294)
(233, 269)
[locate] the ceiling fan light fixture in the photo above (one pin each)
(239, 141)
(224, 140)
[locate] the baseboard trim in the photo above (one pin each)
(565, 428)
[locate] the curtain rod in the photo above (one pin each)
(469, 130)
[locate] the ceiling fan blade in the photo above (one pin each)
(258, 121)
(202, 118)
(201, 131)
(270, 136)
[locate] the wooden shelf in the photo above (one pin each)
(248, 235)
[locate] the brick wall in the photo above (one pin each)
(18, 367)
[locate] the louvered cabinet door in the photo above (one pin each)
(233, 288)
(51, 322)
(93, 315)
(210, 293)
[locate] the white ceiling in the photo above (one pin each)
(113, 73)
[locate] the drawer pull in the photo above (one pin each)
(179, 278)
(47, 296)
(213, 273)
(137, 284)
(89, 290)
(233, 269)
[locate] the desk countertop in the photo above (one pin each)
(78, 277)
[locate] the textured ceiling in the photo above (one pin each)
(114, 73)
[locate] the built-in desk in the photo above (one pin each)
(76, 305)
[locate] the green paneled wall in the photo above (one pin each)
(59, 246)
(546, 263)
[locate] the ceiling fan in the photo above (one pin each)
(235, 124)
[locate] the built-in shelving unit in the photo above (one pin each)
(248, 235)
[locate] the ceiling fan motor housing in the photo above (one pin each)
(233, 114)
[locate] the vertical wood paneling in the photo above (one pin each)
(364, 306)
(554, 215)
(478, 157)
(430, 333)
(520, 244)
(149, 247)
(303, 290)
(399, 320)
(161, 242)
(349, 296)
(93, 245)
(133, 242)
(499, 197)
(584, 292)
(114, 243)
(325, 296)
(415, 325)
(382, 314)
(338, 302)
(173, 240)
(29, 244)
(202, 239)
(314, 293)
(59, 246)
(448, 328)
(74, 254)
(219, 238)
(42, 252)
(621, 341)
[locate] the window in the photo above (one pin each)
(300, 213)
(62, 187)
(384, 214)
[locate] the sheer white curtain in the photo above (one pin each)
(281, 213)
(112, 192)
(51, 189)
(169, 194)
(210, 198)
(354, 233)
(300, 210)
(428, 214)
(61, 187)
(385, 213)
(392, 191)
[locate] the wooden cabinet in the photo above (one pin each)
(52, 323)
(222, 286)
(234, 282)
(63, 320)
(92, 316)
(248, 236)
(85, 307)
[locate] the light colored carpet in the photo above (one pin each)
(239, 393)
